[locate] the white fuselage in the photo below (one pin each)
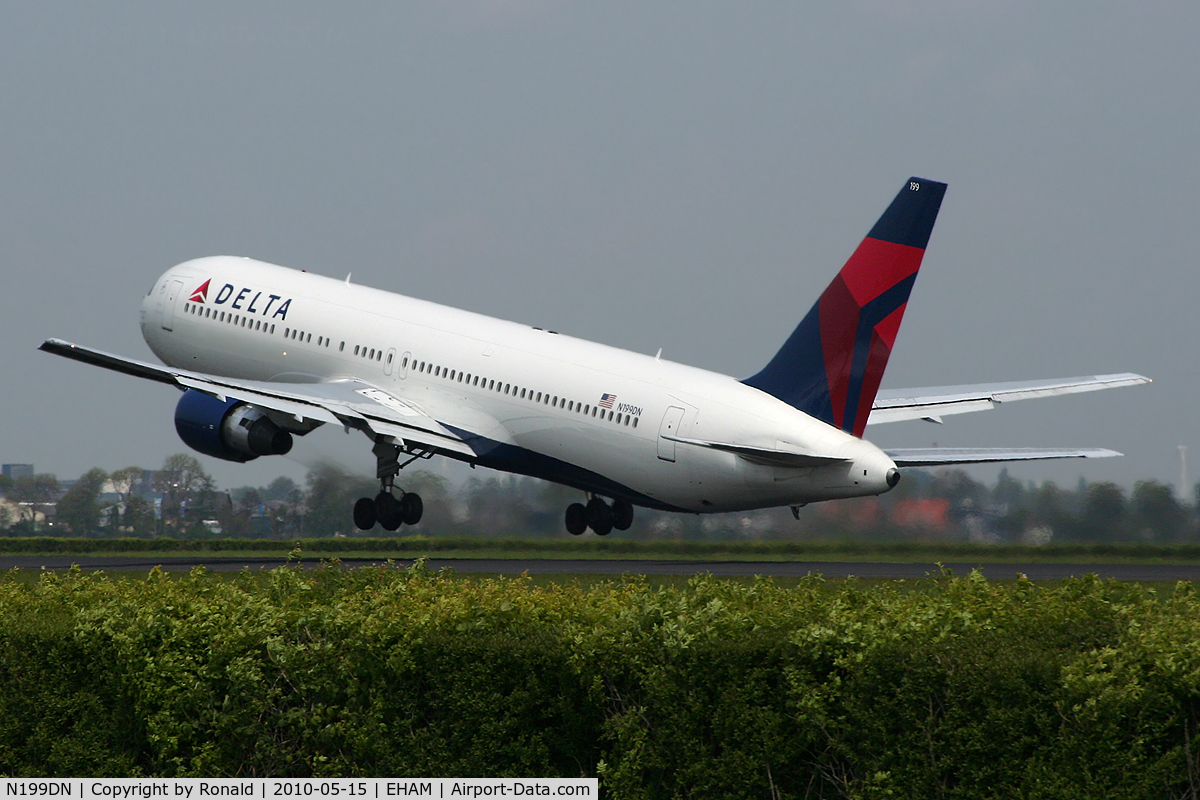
(555, 407)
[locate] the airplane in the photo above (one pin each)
(263, 353)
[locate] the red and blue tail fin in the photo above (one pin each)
(831, 365)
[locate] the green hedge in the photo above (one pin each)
(953, 687)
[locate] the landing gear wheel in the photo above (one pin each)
(364, 514)
(599, 516)
(387, 511)
(577, 519)
(622, 514)
(411, 508)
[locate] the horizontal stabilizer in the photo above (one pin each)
(940, 456)
(767, 456)
(935, 402)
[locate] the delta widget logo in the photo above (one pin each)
(201, 294)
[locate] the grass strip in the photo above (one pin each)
(612, 548)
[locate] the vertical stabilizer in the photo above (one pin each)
(831, 365)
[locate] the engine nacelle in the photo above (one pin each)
(230, 429)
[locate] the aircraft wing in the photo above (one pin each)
(933, 403)
(941, 456)
(349, 402)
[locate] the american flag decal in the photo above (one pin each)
(606, 400)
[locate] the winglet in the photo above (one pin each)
(832, 364)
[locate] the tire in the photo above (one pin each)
(622, 514)
(599, 516)
(577, 519)
(364, 514)
(387, 511)
(411, 508)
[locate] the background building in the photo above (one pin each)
(15, 471)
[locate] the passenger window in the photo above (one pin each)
(522, 394)
(571, 405)
(355, 349)
(389, 358)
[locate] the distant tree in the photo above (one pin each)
(244, 506)
(279, 489)
(125, 481)
(34, 494)
(247, 499)
(499, 505)
(1104, 512)
(1008, 491)
(967, 496)
(331, 496)
(186, 489)
(79, 507)
(435, 496)
(6, 483)
(138, 518)
(1157, 515)
(1049, 507)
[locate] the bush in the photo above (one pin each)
(950, 687)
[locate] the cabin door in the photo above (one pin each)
(168, 312)
(669, 427)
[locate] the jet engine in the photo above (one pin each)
(231, 429)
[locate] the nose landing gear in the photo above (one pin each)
(599, 516)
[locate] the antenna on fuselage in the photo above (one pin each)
(348, 274)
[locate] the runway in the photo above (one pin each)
(547, 566)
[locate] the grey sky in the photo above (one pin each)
(687, 176)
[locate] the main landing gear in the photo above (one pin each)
(386, 508)
(599, 516)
